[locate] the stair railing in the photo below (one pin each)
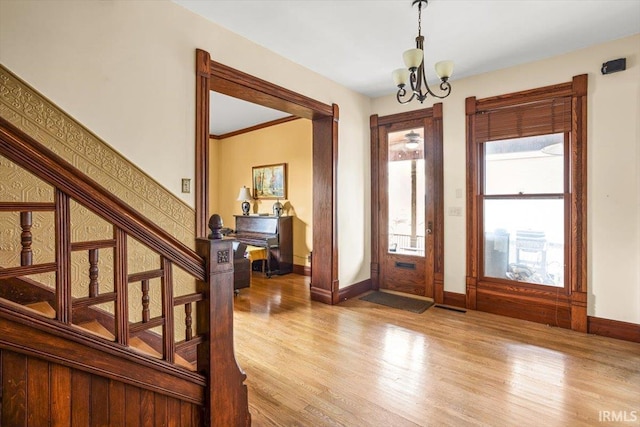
(211, 265)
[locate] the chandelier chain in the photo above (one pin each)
(419, 18)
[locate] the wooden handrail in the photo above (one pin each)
(225, 400)
(27, 206)
(89, 301)
(143, 326)
(10, 272)
(46, 165)
(97, 244)
(144, 275)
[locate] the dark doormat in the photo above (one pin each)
(397, 301)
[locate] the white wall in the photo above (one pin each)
(126, 70)
(613, 167)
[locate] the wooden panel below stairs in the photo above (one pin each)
(36, 392)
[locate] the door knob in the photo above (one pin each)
(429, 227)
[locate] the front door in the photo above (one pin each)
(408, 164)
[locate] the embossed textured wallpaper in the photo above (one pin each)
(42, 120)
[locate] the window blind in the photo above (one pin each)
(538, 118)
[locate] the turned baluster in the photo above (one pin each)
(26, 238)
(145, 301)
(188, 333)
(93, 273)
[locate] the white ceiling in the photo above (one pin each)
(358, 43)
(228, 114)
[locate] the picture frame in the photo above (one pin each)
(270, 181)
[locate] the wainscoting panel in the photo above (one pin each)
(38, 392)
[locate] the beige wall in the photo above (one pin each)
(126, 70)
(232, 160)
(613, 167)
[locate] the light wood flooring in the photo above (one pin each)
(362, 364)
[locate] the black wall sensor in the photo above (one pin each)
(614, 66)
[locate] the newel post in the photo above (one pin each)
(226, 402)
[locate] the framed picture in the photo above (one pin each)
(270, 181)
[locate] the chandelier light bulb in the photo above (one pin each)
(444, 69)
(400, 77)
(413, 58)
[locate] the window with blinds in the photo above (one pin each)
(523, 191)
(526, 204)
(532, 119)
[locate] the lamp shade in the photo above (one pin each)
(413, 58)
(400, 76)
(444, 69)
(244, 194)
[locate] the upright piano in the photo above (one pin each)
(270, 232)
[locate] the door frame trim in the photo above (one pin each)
(211, 75)
(375, 121)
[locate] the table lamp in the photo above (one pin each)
(244, 196)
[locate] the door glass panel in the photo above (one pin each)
(525, 165)
(524, 240)
(406, 186)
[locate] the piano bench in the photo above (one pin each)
(241, 274)
(255, 253)
(241, 268)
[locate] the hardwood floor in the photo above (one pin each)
(361, 364)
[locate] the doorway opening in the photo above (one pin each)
(213, 76)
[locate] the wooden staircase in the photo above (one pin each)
(95, 327)
(64, 359)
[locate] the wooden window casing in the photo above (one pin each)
(559, 108)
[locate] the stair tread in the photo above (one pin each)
(181, 361)
(97, 328)
(140, 345)
(43, 308)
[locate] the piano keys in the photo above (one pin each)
(270, 232)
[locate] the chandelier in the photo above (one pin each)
(414, 73)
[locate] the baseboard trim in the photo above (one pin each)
(614, 329)
(455, 299)
(321, 295)
(354, 290)
(596, 325)
(302, 270)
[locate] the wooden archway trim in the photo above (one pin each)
(238, 84)
(211, 75)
